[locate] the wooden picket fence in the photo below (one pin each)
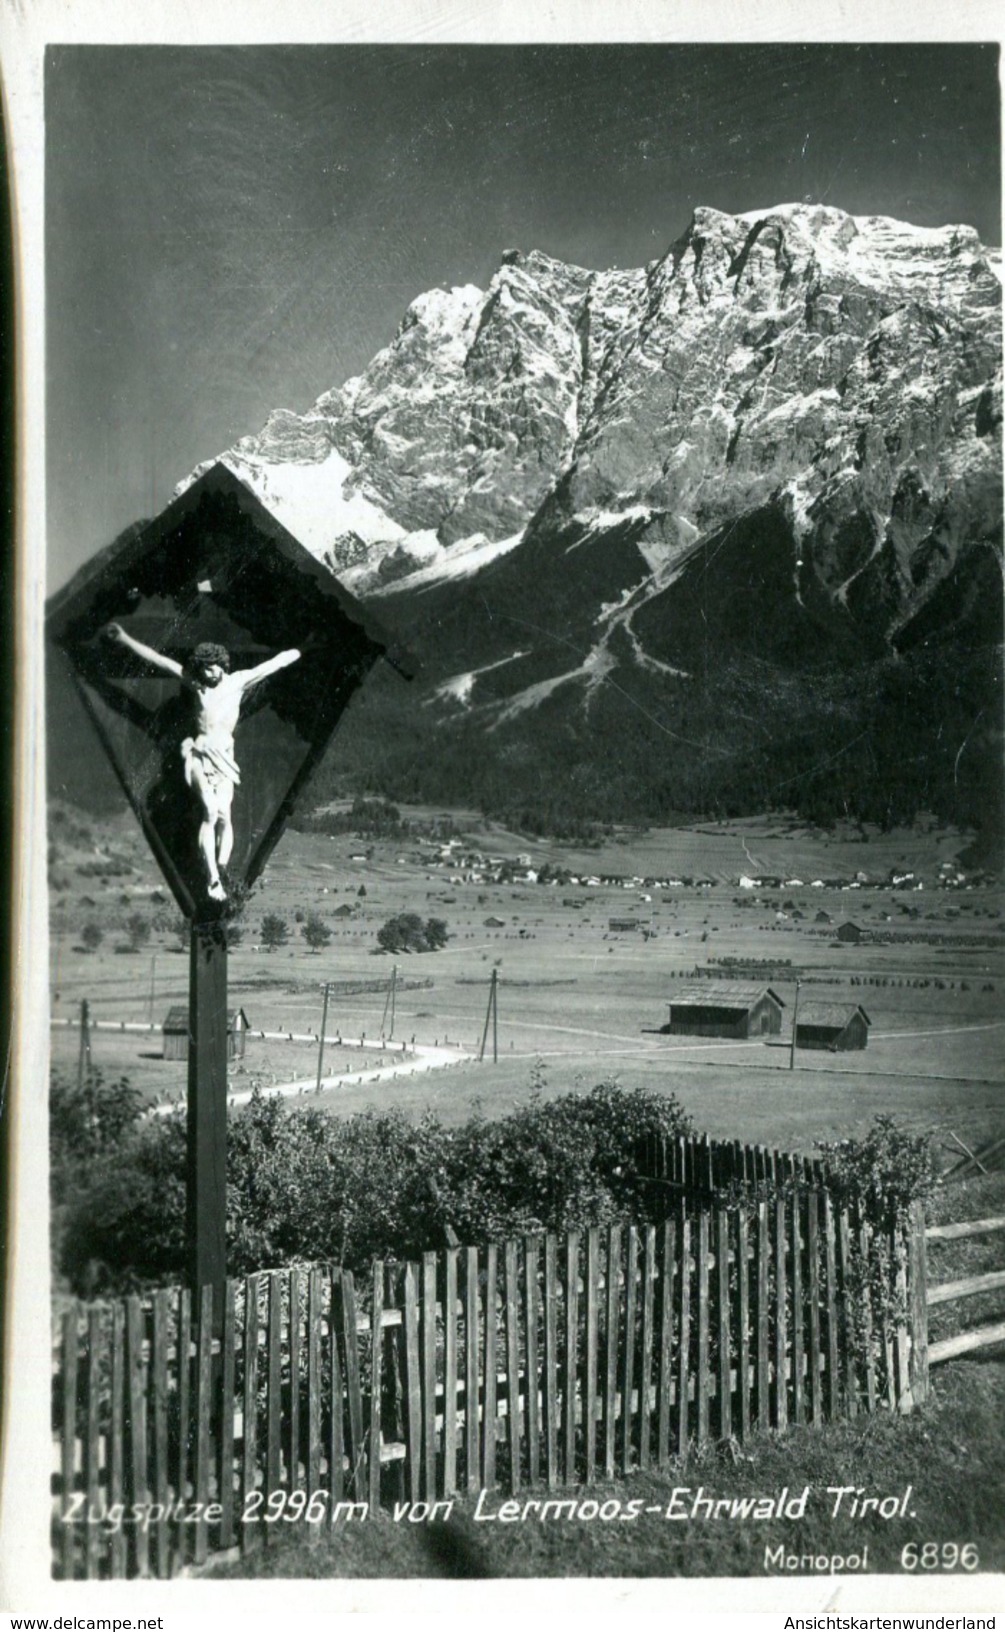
(699, 1167)
(307, 1399)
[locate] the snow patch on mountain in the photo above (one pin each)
(441, 565)
(315, 501)
(459, 687)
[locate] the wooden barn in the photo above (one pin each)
(176, 1033)
(834, 1026)
(623, 926)
(725, 1008)
(851, 933)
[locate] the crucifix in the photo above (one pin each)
(214, 656)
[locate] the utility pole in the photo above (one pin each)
(389, 1002)
(84, 1056)
(321, 1039)
(795, 1022)
(491, 1013)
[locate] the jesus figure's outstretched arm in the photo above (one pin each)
(282, 660)
(157, 660)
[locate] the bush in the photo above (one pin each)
(885, 1171)
(90, 1118)
(124, 1225)
(92, 936)
(305, 1185)
(138, 931)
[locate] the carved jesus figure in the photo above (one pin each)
(208, 756)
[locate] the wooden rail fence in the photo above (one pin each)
(182, 1429)
(970, 1286)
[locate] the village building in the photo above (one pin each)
(176, 1033)
(725, 1008)
(835, 1026)
(850, 933)
(622, 926)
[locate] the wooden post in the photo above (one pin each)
(918, 1306)
(206, 1213)
(491, 1013)
(84, 1054)
(389, 1003)
(795, 1022)
(321, 1039)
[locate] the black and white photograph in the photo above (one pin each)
(509, 916)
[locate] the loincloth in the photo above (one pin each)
(216, 764)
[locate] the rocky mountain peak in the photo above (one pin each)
(718, 532)
(800, 355)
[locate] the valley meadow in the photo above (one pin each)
(585, 972)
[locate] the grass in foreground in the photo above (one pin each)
(951, 1454)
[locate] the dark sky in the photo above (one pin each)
(232, 230)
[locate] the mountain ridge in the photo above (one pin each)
(607, 508)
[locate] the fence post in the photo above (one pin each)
(68, 1461)
(137, 1424)
(918, 1303)
(472, 1459)
(532, 1396)
(249, 1458)
(490, 1371)
(413, 1384)
(551, 1392)
(376, 1380)
(429, 1376)
(449, 1376)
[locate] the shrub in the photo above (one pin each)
(90, 1118)
(138, 931)
(92, 936)
(125, 1225)
(305, 1185)
(885, 1171)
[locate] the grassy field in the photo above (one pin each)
(584, 1000)
(578, 1004)
(950, 1456)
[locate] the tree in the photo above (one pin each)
(437, 934)
(408, 933)
(92, 936)
(316, 932)
(138, 931)
(275, 931)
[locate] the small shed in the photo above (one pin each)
(823, 917)
(725, 1008)
(623, 926)
(176, 1033)
(850, 933)
(834, 1026)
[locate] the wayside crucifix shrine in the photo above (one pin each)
(214, 656)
